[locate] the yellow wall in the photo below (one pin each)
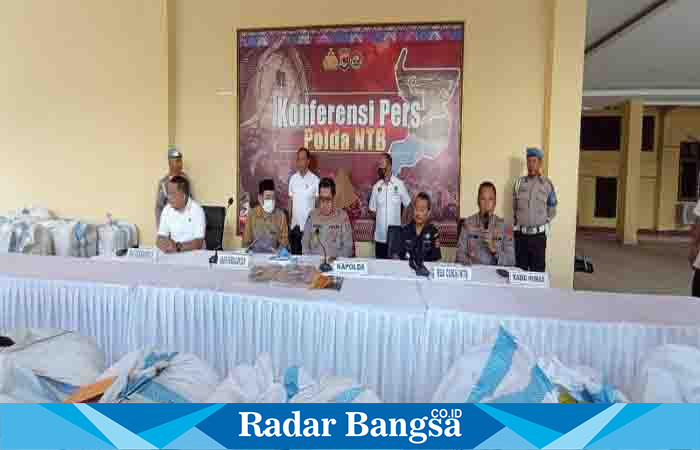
(509, 47)
(83, 113)
(679, 123)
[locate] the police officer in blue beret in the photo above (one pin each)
(174, 170)
(534, 207)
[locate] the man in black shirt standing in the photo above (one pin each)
(420, 233)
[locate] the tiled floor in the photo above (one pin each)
(655, 266)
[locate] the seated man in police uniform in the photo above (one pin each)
(485, 238)
(327, 226)
(420, 233)
(266, 230)
(182, 222)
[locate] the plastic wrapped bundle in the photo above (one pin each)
(332, 389)
(25, 235)
(32, 212)
(72, 237)
(131, 231)
(152, 376)
(115, 236)
(6, 235)
(580, 384)
(47, 365)
(669, 374)
(500, 371)
(251, 384)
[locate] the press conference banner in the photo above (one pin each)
(349, 426)
(349, 94)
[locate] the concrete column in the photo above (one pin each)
(630, 172)
(662, 176)
(562, 128)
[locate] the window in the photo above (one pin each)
(688, 171)
(605, 197)
(648, 124)
(601, 133)
(604, 133)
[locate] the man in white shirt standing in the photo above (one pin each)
(389, 194)
(303, 192)
(182, 222)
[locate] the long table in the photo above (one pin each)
(395, 332)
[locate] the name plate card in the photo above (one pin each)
(351, 267)
(143, 254)
(451, 273)
(234, 260)
(530, 279)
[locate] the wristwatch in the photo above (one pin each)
(178, 247)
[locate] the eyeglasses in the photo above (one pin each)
(325, 199)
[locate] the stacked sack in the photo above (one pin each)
(72, 237)
(580, 384)
(115, 236)
(504, 371)
(24, 235)
(258, 384)
(153, 376)
(21, 232)
(251, 384)
(46, 365)
(669, 374)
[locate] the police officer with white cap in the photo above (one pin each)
(174, 170)
(534, 207)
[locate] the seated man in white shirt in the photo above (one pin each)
(182, 222)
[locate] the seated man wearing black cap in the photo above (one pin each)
(266, 230)
(420, 233)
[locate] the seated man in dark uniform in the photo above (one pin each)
(420, 233)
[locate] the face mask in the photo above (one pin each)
(268, 205)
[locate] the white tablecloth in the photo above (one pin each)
(378, 269)
(398, 334)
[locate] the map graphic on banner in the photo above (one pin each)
(350, 94)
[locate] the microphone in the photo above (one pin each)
(250, 247)
(6, 341)
(416, 255)
(214, 259)
(324, 267)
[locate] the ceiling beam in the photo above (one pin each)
(641, 92)
(627, 24)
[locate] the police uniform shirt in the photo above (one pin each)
(183, 226)
(335, 233)
(386, 201)
(429, 237)
(473, 249)
(162, 195)
(303, 191)
(534, 201)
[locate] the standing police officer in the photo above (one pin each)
(174, 170)
(534, 206)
